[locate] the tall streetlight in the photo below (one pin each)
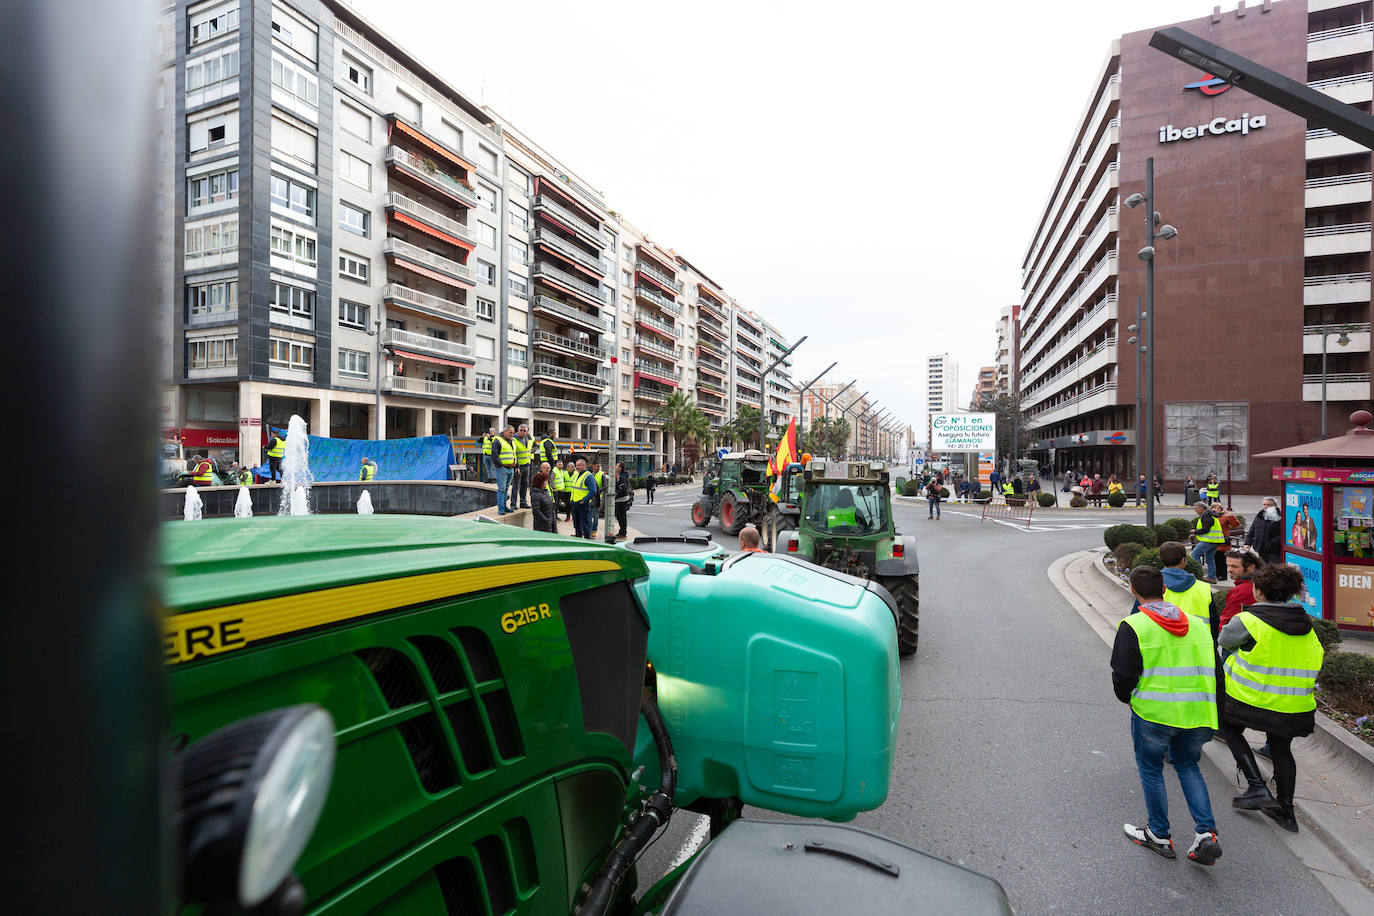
(844, 415)
(801, 392)
(1342, 341)
(825, 408)
(763, 389)
(1155, 228)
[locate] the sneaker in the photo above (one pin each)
(1142, 836)
(1205, 849)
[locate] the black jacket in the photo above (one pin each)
(542, 506)
(622, 487)
(1293, 620)
(1265, 536)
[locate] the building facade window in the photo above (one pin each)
(212, 238)
(295, 32)
(292, 197)
(357, 74)
(212, 352)
(355, 220)
(206, 131)
(207, 25)
(207, 76)
(356, 121)
(486, 384)
(486, 234)
(486, 160)
(292, 301)
(486, 273)
(353, 363)
(217, 297)
(519, 216)
(295, 246)
(519, 180)
(290, 354)
(486, 309)
(452, 136)
(516, 356)
(485, 347)
(296, 83)
(519, 251)
(203, 191)
(293, 142)
(355, 170)
(518, 285)
(486, 196)
(354, 267)
(354, 314)
(408, 107)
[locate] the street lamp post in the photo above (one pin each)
(1153, 231)
(844, 415)
(1342, 341)
(825, 408)
(801, 392)
(763, 389)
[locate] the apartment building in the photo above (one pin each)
(1008, 351)
(351, 239)
(942, 384)
(1272, 256)
(985, 387)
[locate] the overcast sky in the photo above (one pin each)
(868, 174)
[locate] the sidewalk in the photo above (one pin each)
(1335, 789)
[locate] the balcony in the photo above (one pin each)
(436, 306)
(707, 346)
(704, 384)
(1338, 190)
(571, 376)
(417, 169)
(561, 344)
(1340, 386)
(445, 228)
(572, 312)
(542, 270)
(708, 364)
(548, 239)
(1324, 143)
(658, 276)
(645, 320)
(1340, 42)
(1347, 238)
(216, 316)
(1358, 333)
(1352, 90)
(749, 331)
(562, 216)
(1102, 396)
(719, 333)
(658, 299)
(650, 345)
(712, 308)
(427, 263)
(746, 397)
(562, 405)
(1335, 289)
(647, 393)
(400, 384)
(424, 345)
(659, 373)
(710, 403)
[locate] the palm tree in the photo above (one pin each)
(744, 427)
(683, 419)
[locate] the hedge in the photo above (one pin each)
(1077, 502)
(1045, 499)
(1182, 528)
(1116, 500)
(1127, 554)
(1117, 535)
(1328, 634)
(1150, 557)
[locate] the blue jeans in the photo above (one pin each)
(1184, 745)
(1206, 554)
(933, 505)
(488, 468)
(502, 483)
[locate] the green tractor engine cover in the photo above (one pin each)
(779, 684)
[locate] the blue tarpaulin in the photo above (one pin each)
(426, 458)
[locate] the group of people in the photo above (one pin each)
(1190, 674)
(511, 459)
(1214, 526)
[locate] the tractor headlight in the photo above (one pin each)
(251, 795)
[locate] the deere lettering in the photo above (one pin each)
(1168, 133)
(182, 645)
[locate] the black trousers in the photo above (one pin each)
(621, 510)
(1280, 754)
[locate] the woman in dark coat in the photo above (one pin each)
(542, 504)
(1265, 536)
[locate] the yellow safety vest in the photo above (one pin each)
(276, 447)
(558, 478)
(507, 451)
(204, 475)
(1280, 673)
(1196, 601)
(1214, 491)
(486, 446)
(522, 451)
(578, 486)
(1214, 536)
(1178, 685)
(369, 472)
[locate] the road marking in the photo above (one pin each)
(693, 842)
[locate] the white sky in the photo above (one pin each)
(868, 174)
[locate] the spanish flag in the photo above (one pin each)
(787, 453)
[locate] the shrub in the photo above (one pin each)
(1240, 518)
(1045, 499)
(944, 492)
(1219, 601)
(1127, 553)
(1348, 672)
(1328, 634)
(1121, 534)
(1150, 557)
(1116, 500)
(1164, 532)
(1078, 502)
(985, 494)
(1015, 500)
(913, 488)
(901, 484)
(1182, 528)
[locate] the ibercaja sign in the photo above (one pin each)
(964, 432)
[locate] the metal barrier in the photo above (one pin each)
(998, 507)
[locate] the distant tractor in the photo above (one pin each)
(845, 524)
(737, 492)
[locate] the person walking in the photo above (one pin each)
(276, 450)
(933, 498)
(624, 496)
(1159, 488)
(503, 457)
(995, 481)
(368, 470)
(1265, 536)
(1229, 525)
(1163, 665)
(488, 466)
(650, 484)
(1142, 491)
(1208, 536)
(1270, 686)
(541, 504)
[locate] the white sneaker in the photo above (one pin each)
(1205, 849)
(1142, 836)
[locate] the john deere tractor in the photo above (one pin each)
(845, 523)
(737, 492)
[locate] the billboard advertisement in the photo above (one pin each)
(1311, 570)
(1302, 514)
(963, 432)
(1354, 594)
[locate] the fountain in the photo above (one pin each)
(194, 505)
(295, 470)
(365, 503)
(243, 506)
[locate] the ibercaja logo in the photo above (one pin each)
(1209, 85)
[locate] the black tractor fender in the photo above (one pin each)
(905, 565)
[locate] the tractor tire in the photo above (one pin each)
(905, 590)
(701, 513)
(731, 518)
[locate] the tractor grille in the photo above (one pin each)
(500, 869)
(843, 559)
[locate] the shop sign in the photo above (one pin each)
(1311, 570)
(963, 432)
(1325, 475)
(1168, 133)
(1354, 594)
(209, 438)
(1302, 512)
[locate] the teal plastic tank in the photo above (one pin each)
(779, 684)
(691, 547)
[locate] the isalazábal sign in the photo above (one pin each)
(1168, 133)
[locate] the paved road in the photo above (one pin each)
(1014, 756)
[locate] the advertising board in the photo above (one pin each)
(963, 432)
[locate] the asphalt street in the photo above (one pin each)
(1014, 756)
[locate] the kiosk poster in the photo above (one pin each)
(1312, 582)
(1302, 512)
(1354, 594)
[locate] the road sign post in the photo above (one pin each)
(1228, 448)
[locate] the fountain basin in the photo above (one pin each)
(394, 497)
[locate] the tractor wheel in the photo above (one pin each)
(906, 591)
(701, 513)
(731, 518)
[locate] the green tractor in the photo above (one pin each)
(845, 523)
(737, 492)
(404, 715)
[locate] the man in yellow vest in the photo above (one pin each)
(368, 471)
(488, 466)
(521, 486)
(583, 492)
(1271, 682)
(559, 481)
(1164, 666)
(276, 449)
(1209, 534)
(1213, 488)
(203, 472)
(1183, 589)
(503, 456)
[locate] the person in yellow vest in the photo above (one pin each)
(276, 450)
(488, 466)
(1209, 535)
(1164, 666)
(600, 477)
(582, 491)
(503, 457)
(202, 472)
(521, 485)
(560, 490)
(368, 470)
(1182, 588)
(1213, 489)
(1271, 680)
(547, 450)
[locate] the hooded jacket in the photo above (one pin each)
(1178, 580)
(1127, 663)
(1292, 620)
(1266, 534)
